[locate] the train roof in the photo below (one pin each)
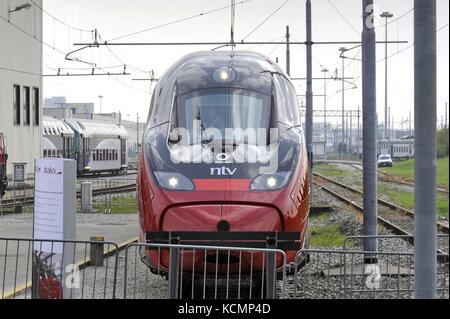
(53, 127)
(195, 71)
(89, 128)
(205, 70)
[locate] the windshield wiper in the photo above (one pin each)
(198, 117)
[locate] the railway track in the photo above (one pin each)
(29, 200)
(385, 177)
(390, 179)
(393, 217)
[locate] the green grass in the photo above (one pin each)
(326, 236)
(406, 199)
(331, 170)
(406, 169)
(120, 205)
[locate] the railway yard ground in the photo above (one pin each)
(329, 228)
(395, 190)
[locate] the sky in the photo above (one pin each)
(332, 20)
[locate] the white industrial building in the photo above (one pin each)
(21, 81)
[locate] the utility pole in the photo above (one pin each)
(100, 98)
(410, 136)
(359, 136)
(386, 15)
(388, 125)
(350, 142)
(445, 123)
(288, 52)
(369, 131)
(346, 133)
(343, 49)
(324, 70)
(309, 93)
(137, 132)
(425, 244)
(392, 128)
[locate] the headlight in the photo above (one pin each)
(270, 182)
(165, 174)
(173, 181)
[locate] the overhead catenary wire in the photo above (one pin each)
(344, 17)
(177, 21)
(265, 20)
(19, 71)
(59, 20)
(32, 36)
(54, 48)
(388, 57)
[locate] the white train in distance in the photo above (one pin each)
(402, 148)
(97, 147)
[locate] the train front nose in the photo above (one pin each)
(220, 217)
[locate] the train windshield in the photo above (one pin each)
(217, 113)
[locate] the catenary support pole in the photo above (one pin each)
(309, 93)
(325, 110)
(358, 144)
(425, 148)
(445, 123)
(410, 137)
(288, 52)
(369, 107)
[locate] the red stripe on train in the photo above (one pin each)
(222, 184)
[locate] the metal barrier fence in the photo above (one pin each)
(343, 274)
(388, 243)
(88, 274)
(112, 195)
(203, 272)
(158, 270)
(122, 196)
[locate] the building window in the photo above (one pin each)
(36, 106)
(16, 104)
(26, 106)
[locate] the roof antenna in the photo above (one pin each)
(233, 15)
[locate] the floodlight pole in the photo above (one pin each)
(425, 242)
(309, 92)
(369, 107)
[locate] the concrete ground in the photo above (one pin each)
(15, 256)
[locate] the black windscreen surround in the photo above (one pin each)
(223, 91)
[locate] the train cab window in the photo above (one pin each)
(215, 110)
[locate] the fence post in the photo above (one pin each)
(173, 268)
(270, 268)
(96, 251)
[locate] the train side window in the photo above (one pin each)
(287, 104)
(293, 102)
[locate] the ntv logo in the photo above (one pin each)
(222, 171)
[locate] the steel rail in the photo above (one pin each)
(396, 229)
